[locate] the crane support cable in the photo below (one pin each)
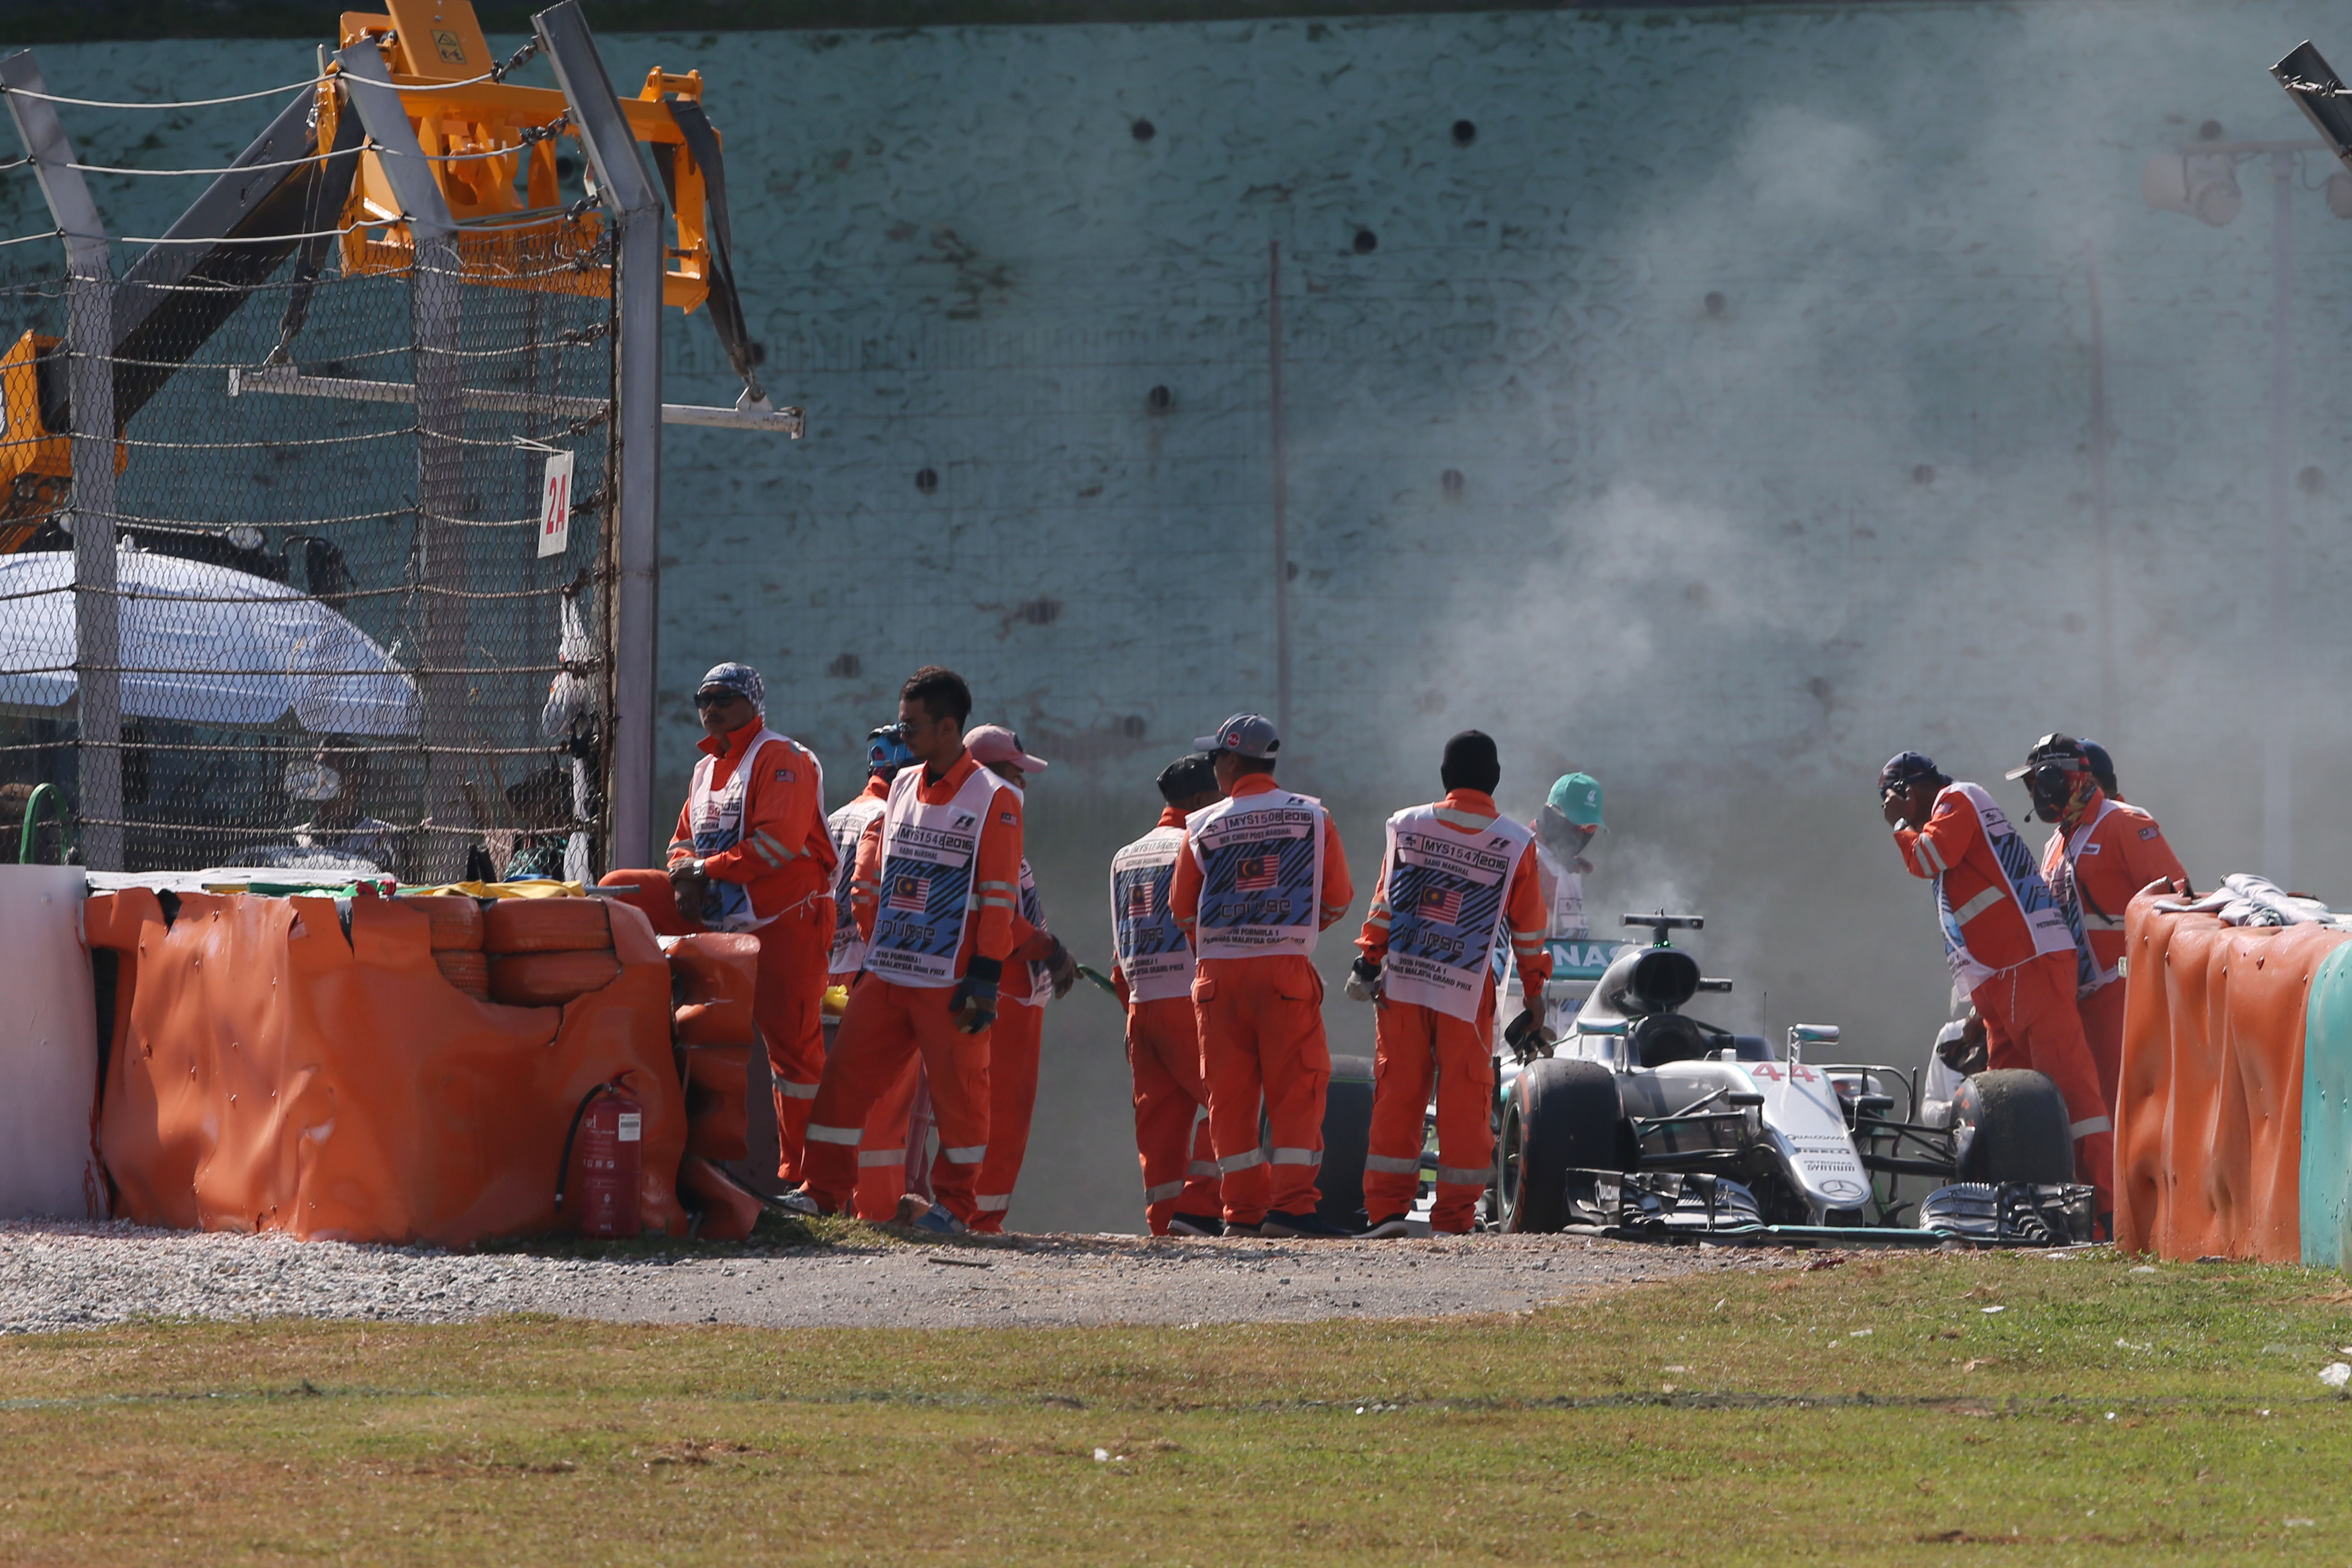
(496, 73)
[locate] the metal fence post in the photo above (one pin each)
(435, 281)
(90, 348)
(629, 194)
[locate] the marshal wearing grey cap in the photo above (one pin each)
(1251, 735)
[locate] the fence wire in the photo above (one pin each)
(337, 644)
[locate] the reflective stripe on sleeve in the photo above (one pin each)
(1978, 905)
(881, 1156)
(998, 887)
(971, 1156)
(2090, 1124)
(1242, 1162)
(1393, 1164)
(1379, 923)
(1298, 1156)
(791, 1090)
(822, 1134)
(1931, 856)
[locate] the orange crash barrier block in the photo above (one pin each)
(717, 973)
(2208, 1119)
(273, 1069)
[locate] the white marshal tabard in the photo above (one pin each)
(845, 827)
(927, 896)
(1261, 860)
(1152, 953)
(1446, 891)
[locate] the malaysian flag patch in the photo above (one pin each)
(1139, 901)
(1256, 874)
(912, 894)
(783, 775)
(1442, 905)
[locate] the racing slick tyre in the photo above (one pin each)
(1347, 1139)
(2022, 1131)
(1561, 1116)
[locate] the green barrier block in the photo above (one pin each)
(2325, 1178)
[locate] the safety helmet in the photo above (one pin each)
(1904, 769)
(2050, 769)
(888, 752)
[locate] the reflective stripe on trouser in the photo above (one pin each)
(889, 1131)
(2030, 1021)
(2102, 1013)
(1261, 1022)
(787, 1002)
(1415, 1043)
(1171, 1127)
(789, 1007)
(884, 1027)
(1012, 1043)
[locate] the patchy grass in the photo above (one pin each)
(1877, 1409)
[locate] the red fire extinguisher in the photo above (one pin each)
(609, 1128)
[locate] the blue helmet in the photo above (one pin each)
(888, 752)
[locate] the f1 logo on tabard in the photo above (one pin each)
(555, 506)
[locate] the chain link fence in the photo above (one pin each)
(343, 637)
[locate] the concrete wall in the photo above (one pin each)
(1761, 341)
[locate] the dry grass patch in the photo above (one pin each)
(1877, 1409)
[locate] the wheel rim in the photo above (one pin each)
(1507, 1184)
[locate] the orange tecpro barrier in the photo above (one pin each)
(273, 1068)
(2209, 1123)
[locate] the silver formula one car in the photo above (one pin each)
(1646, 1123)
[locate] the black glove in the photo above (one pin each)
(1063, 968)
(1527, 1037)
(973, 1002)
(1363, 980)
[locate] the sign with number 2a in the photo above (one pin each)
(555, 506)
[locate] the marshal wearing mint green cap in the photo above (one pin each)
(1565, 828)
(1577, 796)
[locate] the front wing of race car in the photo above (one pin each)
(1671, 1205)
